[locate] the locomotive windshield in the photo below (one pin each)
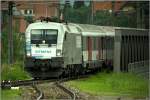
(49, 35)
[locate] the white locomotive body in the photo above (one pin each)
(49, 48)
(43, 46)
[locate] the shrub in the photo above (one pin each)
(14, 72)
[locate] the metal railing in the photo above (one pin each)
(140, 68)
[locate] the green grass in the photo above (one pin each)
(10, 95)
(14, 72)
(113, 84)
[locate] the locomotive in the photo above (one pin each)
(54, 49)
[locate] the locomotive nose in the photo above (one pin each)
(44, 66)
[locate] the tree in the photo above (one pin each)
(78, 4)
(120, 19)
(78, 13)
(17, 41)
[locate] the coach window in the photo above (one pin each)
(94, 41)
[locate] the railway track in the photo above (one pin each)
(8, 83)
(71, 93)
(39, 92)
(53, 90)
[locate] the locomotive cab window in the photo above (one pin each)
(49, 35)
(36, 36)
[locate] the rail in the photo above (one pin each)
(40, 93)
(71, 93)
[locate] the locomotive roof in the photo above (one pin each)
(94, 30)
(43, 25)
(72, 29)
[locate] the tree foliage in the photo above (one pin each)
(18, 42)
(77, 14)
(80, 13)
(78, 4)
(121, 19)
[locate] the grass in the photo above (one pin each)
(10, 95)
(14, 72)
(113, 84)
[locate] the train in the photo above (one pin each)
(54, 49)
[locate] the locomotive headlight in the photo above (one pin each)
(28, 50)
(28, 53)
(58, 52)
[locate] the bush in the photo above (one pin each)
(14, 72)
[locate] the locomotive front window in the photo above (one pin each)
(36, 36)
(49, 35)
